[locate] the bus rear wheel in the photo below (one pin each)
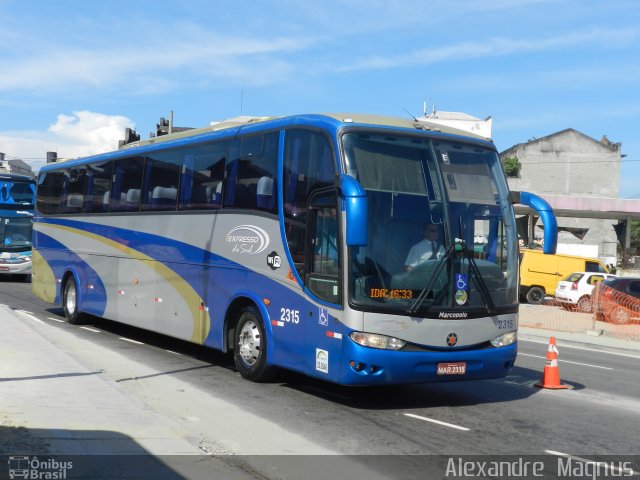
(70, 302)
(250, 346)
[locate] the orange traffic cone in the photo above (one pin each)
(551, 375)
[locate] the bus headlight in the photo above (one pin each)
(375, 340)
(504, 340)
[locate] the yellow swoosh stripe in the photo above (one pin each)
(201, 319)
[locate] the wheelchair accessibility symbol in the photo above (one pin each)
(462, 286)
(462, 282)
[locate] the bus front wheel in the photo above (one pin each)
(70, 302)
(250, 346)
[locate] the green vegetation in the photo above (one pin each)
(511, 166)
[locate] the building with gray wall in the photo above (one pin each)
(573, 164)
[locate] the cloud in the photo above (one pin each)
(80, 134)
(497, 46)
(89, 133)
(193, 55)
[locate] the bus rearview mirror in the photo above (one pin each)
(355, 201)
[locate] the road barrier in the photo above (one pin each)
(551, 316)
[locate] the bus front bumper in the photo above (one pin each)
(23, 268)
(369, 366)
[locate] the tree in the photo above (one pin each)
(511, 166)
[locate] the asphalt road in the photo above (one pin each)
(598, 415)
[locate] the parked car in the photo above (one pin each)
(540, 272)
(574, 290)
(617, 300)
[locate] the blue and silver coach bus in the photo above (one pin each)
(17, 197)
(286, 241)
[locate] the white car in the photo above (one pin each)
(574, 291)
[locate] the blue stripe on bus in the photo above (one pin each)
(217, 284)
(154, 246)
(60, 259)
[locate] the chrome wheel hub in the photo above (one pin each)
(70, 300)
(249, 343)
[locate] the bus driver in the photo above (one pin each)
(430, 248)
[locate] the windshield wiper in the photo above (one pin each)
(429, 287)
(480, 283)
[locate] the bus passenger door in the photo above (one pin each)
(323, 280)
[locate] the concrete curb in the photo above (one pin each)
(592, 340)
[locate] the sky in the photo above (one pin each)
(74, 74)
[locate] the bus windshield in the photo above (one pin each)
(16, 192)
(15, 233)
(440, 232)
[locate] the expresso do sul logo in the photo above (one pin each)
(248, 240)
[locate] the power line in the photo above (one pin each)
(14, 157)
(579, 161)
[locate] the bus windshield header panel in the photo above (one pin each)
(17, 191)
(438, 213)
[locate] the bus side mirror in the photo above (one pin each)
(355, 206)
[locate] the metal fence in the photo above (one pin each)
(550, 316)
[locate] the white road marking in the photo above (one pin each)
(426, 419)
(171, 351)
(56, 320)
(90, 329)
(568, 361)
(564, 345)
(30, 315)
(131, 341)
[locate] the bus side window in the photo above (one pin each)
(75, 190)
(202, 176)
(127, 182)
(160, 187)
(98, 187)
(308, 166)
(50, 192)
(251, 173)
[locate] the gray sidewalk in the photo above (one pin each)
(50, 404)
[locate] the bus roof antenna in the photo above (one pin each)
(410, 114)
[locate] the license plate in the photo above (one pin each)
(452, 368)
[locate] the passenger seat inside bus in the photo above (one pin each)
(164, 196)
(132, 200)
(265, 198)
(74, 201)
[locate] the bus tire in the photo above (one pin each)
(250, 346)
(535, 295)
(70, 301)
